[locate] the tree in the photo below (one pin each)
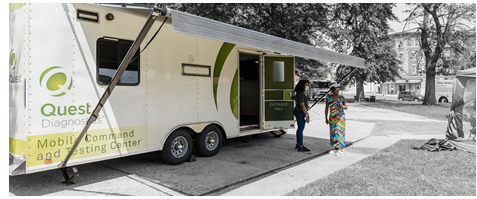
(362, 31)
(443, 27)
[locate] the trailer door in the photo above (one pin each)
(278, 83)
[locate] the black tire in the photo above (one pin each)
(178, 147)
(209, 141)
(416, 100)
(443, 99)
(401, 99)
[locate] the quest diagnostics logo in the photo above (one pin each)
(15, 75)
(13, 61)
(56, 81)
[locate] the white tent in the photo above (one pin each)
(461, 127)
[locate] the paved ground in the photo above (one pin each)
(303, 174)
(279, 182)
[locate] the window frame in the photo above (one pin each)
(118, 59)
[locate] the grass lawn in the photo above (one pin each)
(437, 112)
(401, 171)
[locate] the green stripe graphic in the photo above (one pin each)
(234, 101)
(219, 64)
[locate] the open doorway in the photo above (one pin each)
(249, 71)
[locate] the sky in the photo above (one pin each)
(398, 11)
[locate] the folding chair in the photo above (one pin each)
(472, 133)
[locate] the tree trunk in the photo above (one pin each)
(359, 88)
(431, 58)
(430, 96)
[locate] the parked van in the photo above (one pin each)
(84, 87)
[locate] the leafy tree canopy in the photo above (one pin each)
(444, 28)
(362, 31)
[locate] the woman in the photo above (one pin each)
(301, 112)
(336, 104)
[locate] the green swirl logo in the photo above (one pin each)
(13, 62)
(56, 81)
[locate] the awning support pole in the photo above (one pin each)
(322, 97)
(122, 67)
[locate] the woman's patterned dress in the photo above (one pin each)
(337, 123)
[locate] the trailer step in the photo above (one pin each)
(282, 132)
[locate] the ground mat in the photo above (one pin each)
(239, 159)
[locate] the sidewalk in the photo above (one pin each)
(299, 176)
(285, 181)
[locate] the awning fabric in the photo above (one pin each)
(413, 81)
(202, 27)
(401, 81)
(466, 73)
(207, 28)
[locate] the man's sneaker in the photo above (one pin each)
(297, 146)
(303, 149)
(332, 152)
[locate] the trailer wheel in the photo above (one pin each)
(178, 147)
(209, 141)
(443, 99)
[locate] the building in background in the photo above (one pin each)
(408, 50)
(413, 76)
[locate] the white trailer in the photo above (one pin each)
(197, 83)
(444, 88)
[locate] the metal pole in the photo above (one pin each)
(322, 97)
(122, 67)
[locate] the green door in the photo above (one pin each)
(279, 81)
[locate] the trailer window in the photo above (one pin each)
(110, 53)
(279, 71)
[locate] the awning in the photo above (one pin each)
(466, 73)
(401, 81)
(207, 28)
(413, 81)
(202, 27)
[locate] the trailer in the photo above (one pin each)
(444, 88)
(92, 82)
